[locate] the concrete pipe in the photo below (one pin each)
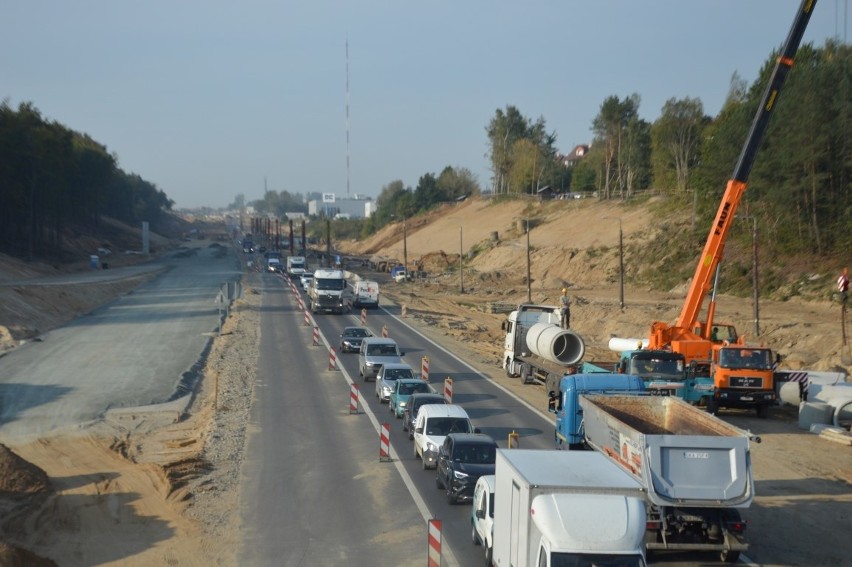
(814, 413)
(789, 393)
(842, 411)
(619, 344)
(553, 343)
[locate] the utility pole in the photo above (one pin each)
(461, 262)
(529, 276)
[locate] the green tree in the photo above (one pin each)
(676, 139)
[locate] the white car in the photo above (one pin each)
(305, 280)
(433, 424)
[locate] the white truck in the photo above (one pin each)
(694, 468)
(329, 291)
(565, 508)
(296, 266)
(537, 348)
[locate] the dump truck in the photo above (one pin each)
(694, 467)
(565, 401)
(559, 508)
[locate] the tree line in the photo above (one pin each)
(53, 179)
(799, 186)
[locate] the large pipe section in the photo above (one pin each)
(555, 344)
(619, 344)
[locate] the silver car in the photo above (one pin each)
(387, 377)
(375, 352)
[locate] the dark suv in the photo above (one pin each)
(462, 459)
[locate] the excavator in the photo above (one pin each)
(742, 375)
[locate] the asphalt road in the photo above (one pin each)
(308, 456)
(134, 351)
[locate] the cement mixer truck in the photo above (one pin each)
(539, 350)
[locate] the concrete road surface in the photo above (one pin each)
(134, 351)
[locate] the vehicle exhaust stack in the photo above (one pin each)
(555, 344)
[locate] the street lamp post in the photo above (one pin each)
(620, 261)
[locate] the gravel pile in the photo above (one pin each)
(231, 370)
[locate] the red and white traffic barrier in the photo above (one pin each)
(424, 368)
(448, 390)
(384, 331)
(307, 317)
(404, 310)
(332, 359)
(384, 442)
(363, 316)
(316, 335)
(353, 399)
(301, 304)
(434, 539)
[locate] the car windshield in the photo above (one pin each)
(758, 359)
(475, 454)
(397, 373)
(446, 425)
(357, 332)
(382, 350)
(329, 284)
(413, 387)
(657, 367)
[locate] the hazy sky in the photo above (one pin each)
(210, 99)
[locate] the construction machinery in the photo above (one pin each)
(734, 386)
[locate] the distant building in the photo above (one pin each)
(332, 207)
(576, 155)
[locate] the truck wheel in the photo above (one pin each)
(729, 556)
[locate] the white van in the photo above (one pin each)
(366, 294)
(433, 423)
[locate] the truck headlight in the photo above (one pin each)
(431, 447)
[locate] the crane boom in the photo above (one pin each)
(714, 247)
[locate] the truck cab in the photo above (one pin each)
(565, 402)
(329, 291)
(296, 266)
(743, 378)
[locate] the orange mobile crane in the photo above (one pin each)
(743, 376)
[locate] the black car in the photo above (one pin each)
(462, 459)
(409, 416)
(350, 339)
